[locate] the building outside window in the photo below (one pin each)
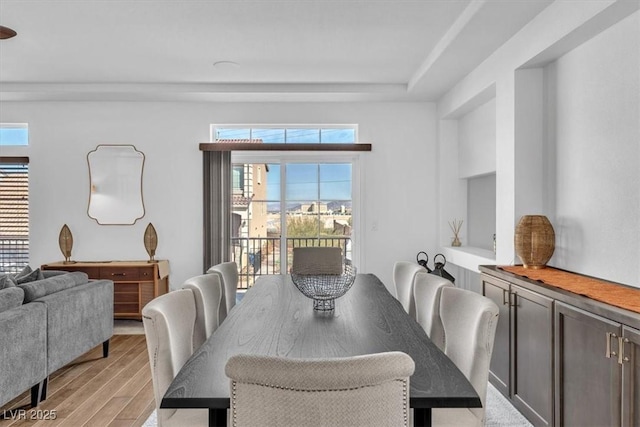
(14, 201)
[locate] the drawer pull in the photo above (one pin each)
(119, 274)
(610, 353)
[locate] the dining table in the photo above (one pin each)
(274, 318)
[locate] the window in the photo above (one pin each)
(283, 135)
(14, 134)
(14, 200)
(14, 214)
(289, 199)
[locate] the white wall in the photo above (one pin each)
(481, 211)
(477, 141)
(398, 176)
(593, 125)
(597, 139)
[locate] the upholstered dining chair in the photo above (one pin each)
(367, 390)
(469, 322)
(228, 272)
(426, 294)
(403, 276)
(211, 307)
(168, 326)
(317, 260)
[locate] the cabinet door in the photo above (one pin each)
(588, 378)
(630, 377)
(500, 367)
(532, 339)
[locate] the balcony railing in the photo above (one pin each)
(14, 254)
(257, 256)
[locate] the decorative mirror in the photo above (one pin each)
(115, 178)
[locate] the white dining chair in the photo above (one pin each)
(403, 276)
(168, 322)
(211, 307)
(317, 260)
(360, 391)
(469, 320)
(427, 289)
(228, 272)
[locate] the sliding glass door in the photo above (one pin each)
(281, 205)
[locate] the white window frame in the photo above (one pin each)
(270, 157)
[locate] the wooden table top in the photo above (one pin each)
(274, 318)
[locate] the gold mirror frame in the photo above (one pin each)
(115, 184)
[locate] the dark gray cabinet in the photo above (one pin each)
(597, 370)
(564, 359)
(630, 358)
(500, 367)
(522, 360)
(588, 376)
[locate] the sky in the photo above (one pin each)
(304, 181)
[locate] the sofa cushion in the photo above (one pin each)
(40, 288)
(6, 281)
(28, 275)
(11, 298)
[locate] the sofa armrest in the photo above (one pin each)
(78, 319)
(23, 349)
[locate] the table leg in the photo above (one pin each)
(422, 417)
(217, 417)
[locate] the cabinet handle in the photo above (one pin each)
(505, 299)
(119, 274)
(514, 296)
(621, 357)
(610, 353)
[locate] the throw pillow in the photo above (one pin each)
(6, 282)
(30, 276)
(11, 298)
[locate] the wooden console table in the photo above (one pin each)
(135, 282)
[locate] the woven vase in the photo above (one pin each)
(535, 241)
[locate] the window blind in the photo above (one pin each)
(14, 214)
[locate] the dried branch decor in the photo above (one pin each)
(455, 227)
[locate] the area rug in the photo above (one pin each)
(127, 327)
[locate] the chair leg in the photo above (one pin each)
(105, 348)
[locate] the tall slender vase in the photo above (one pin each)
(535, 241)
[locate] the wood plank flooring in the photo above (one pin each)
(94, 391)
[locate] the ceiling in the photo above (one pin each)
(282, 49)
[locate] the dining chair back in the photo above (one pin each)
(168, 326)
(427, 289)
(354, 391)
(228, 272)
(469, 320)
(317, 260)
(211, 307)
(404, 274)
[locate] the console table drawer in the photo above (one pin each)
(120, 273)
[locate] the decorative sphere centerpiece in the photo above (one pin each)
(323, 289)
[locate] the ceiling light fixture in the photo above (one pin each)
(225, 65)
(6, 33)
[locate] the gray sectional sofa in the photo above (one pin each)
(45, 324)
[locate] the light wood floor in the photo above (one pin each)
(94, 391)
